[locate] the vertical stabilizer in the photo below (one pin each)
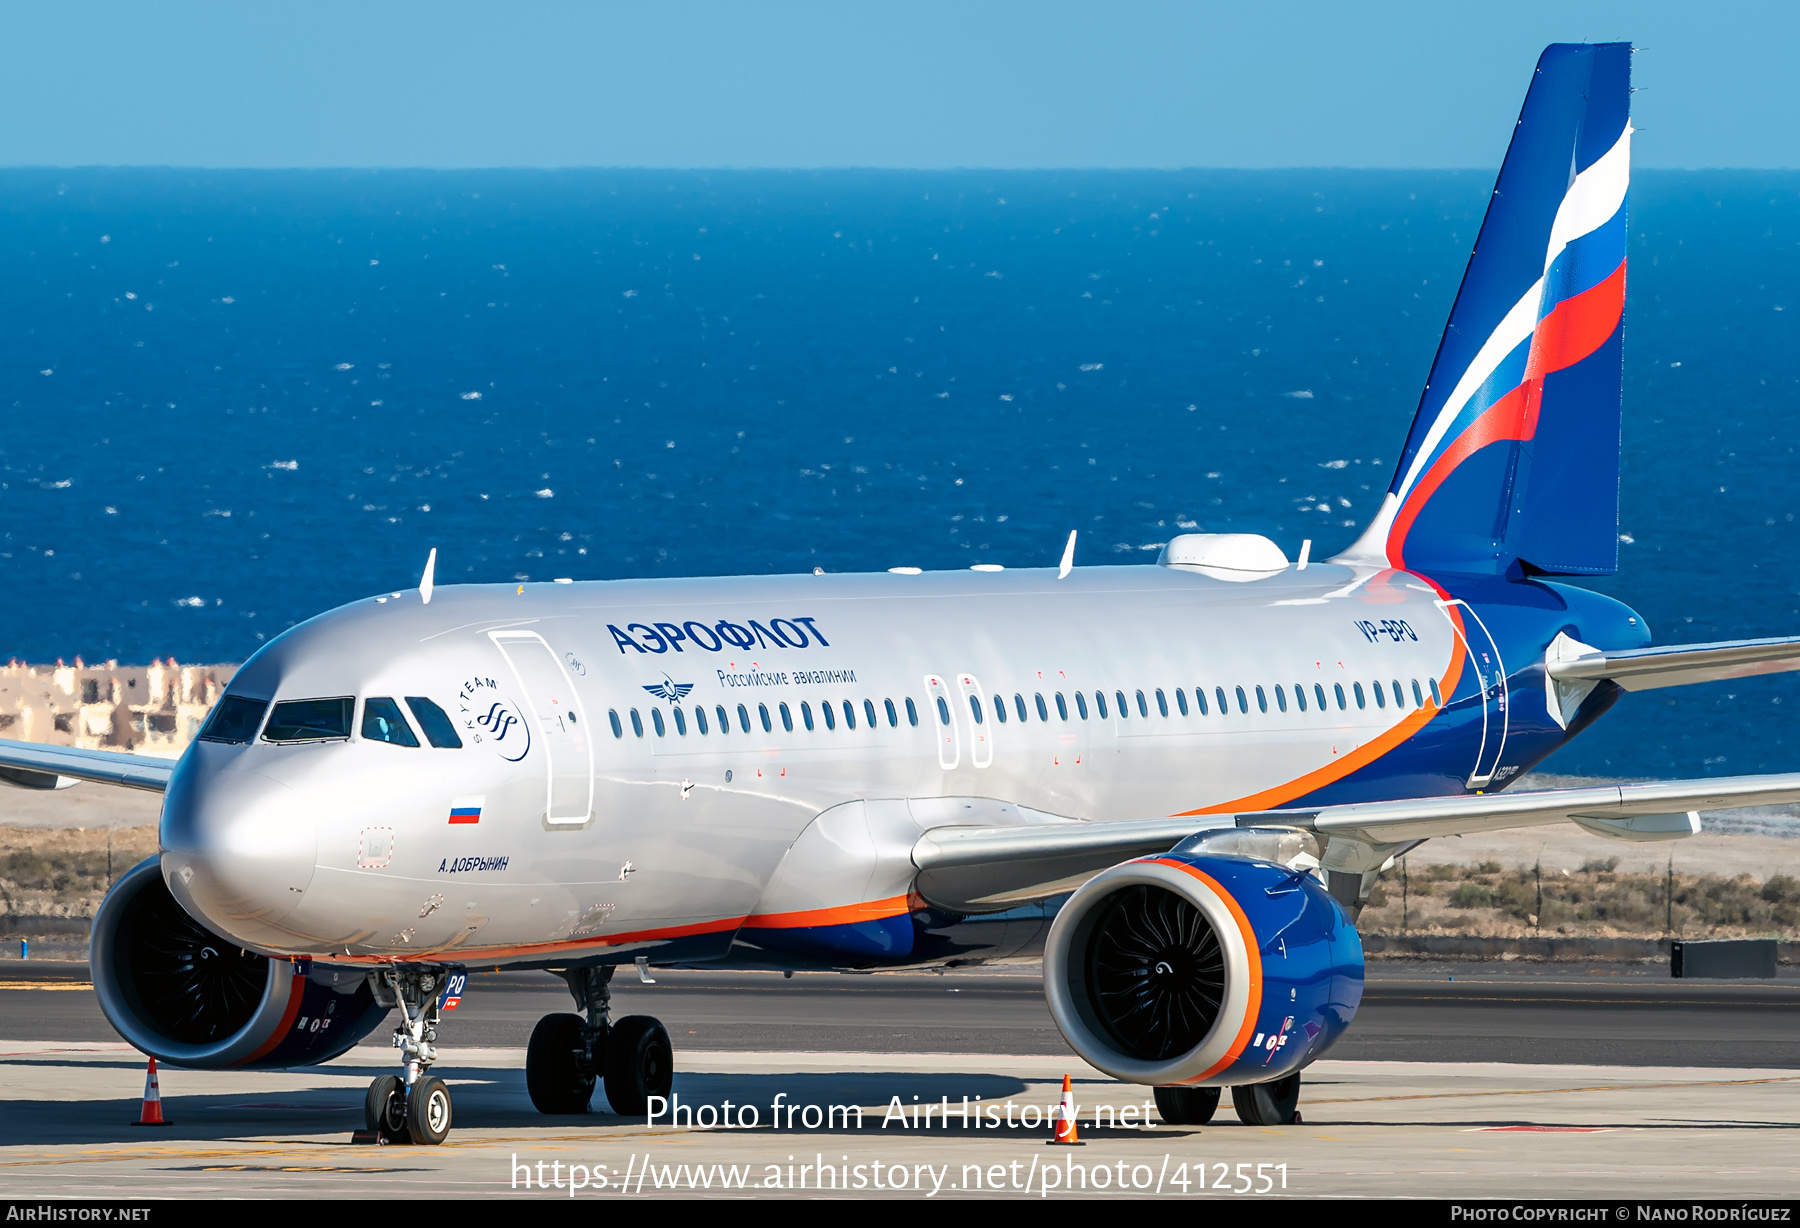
(1513, 459)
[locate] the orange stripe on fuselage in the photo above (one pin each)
(482, 955)
(1362, 756)
(1242, 1040)
(849, 914)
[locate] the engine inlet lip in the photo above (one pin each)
(1069, 997)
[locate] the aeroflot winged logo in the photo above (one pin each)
(717, 636)
(670, 689)
(492, 718)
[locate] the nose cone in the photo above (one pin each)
(239, 848)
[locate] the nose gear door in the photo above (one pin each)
(562, 724)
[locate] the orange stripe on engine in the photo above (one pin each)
(849, 914)
(1362, 756)
(296, 991)
(1242, 1040)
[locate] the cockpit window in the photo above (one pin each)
(234, 720)
(310, 720)
(382, 722)
(439, 731)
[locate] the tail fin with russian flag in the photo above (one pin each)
(1512, 465)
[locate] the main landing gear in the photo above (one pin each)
(1257, 1104)
(417, 1108)
(568, 1054)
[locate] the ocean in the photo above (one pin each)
(235, 399)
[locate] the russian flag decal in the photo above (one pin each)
(466, 809)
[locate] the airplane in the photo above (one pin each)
(1176, 784)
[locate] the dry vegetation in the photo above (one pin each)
(64, 872)
(1595, 901)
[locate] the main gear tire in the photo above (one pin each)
(640, 1063)
(1268, 1104)
(556, 1077)
(1187, 1106)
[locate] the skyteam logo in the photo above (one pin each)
(492, 718)
(670, 689)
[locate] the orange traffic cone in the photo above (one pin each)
(1063, 1119)
(151, 1114)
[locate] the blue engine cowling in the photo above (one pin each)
(185, 996)
(1202, 969)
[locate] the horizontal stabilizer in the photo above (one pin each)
(1646, 669)
(100, 766)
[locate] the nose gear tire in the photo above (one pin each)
(1268, 1104)
(1187, 1106)
(428, 1111)
(640, 1063)
(384, 1108)
(556, 1076)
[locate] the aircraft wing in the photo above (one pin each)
(977, 868)
(1645, 669)
(31, 765)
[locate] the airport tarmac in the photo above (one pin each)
(1700, 1096)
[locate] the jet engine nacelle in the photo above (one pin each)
(1202, 969)
(185, 996)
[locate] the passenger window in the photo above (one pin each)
(680, 722)
(1243, 702)
(1124, 709)
(437, 727)
(1399, 695)
(806, 715)
(1000, 708)
(1162, 701)
(1300, 695)
(1019, 707)
(1281, 698)
(824, 711)
(637, 723)
(1143, 706)
(850, 715)
(382, 722)
(1219, 694)
(657, 721)
(1180, 700)
(235, 720)
(724, 718)
(612, 715)
(1081, 705)
(975, 708)
(1436, 697)
(1361, 701)
(912, 713)
(869, 712)
(700, 719)
(1262, 701)
(1338, 687)
(762, 712)
(893, 717)
(1062, 706)
(1200, 699)
(943, 711)
(1319, 694)
(1043, 712)
(1380, 694)
(1418, 699)
(310, 720)
(787, 718)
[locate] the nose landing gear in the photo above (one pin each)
(417, 1109)
(568, 1055)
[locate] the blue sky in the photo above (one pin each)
(916, 84)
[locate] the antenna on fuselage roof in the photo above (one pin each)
(428, 581)
(1068, 558)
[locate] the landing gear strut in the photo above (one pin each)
(568, 1054)
(418, 1108)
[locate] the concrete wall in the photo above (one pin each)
(153, 709)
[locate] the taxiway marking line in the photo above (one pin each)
(1556, 1091)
